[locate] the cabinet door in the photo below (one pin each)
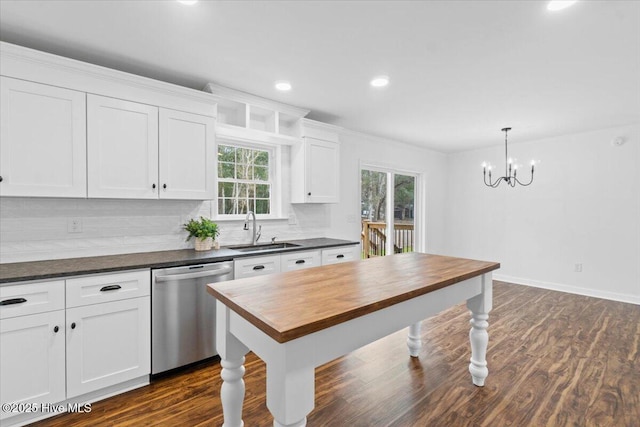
(322, 171)
(42, 141)
(122, 144)
(187, 156)
(107, 344)
(32, 359)
(315, 163)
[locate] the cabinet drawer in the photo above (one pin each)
(340, 254)
(107, 287)
(299, 260)
(256, 266)
(31, 298)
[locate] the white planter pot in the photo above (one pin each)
(204, 244)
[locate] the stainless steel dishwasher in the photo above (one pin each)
(183, 314)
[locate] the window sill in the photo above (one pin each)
(243, 217)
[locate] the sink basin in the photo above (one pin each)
(263, 247)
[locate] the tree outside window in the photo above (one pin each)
(244, 180)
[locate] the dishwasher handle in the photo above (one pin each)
(196, 275)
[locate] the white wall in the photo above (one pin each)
(583, 207)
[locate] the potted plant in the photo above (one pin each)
(204, 230)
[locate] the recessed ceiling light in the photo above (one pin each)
(555, 5)
(188, 2)
(283, 86)
(380, 81)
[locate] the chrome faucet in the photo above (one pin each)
(256, 234)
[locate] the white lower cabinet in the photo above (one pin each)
(32, 360)
(295, 260)
(49, 354)
(107, 344)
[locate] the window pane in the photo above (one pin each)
(226, 154)
(403, 223)
(226, 170)
(261, 173)
(229, 206)
(251, 191)
(242, 206)
(244, 172)
(262, 206)
(243, 156)
(262, 191)
(262, 158)
(373, 190)
(242, 190)
(225, 189)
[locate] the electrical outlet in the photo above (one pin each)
(578, 268)
(292, 219)
(74, 225)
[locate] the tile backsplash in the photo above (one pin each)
(34, 229)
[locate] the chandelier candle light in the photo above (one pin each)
(510, 169)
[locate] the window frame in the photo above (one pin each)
(275, 178)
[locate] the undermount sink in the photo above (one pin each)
(263, 247)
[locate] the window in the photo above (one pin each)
(245, 180)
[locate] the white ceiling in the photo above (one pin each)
(460, 70)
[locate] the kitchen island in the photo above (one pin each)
(299, 320)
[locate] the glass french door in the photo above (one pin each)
(388, 211)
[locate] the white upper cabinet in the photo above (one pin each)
(122, 147)
(187, 155)
(315, 168)
(42, 141)
(138, 151)
(315, 164)
(88, 131)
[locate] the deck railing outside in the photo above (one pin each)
(374, 238)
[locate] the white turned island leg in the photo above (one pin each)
(232, 391)
(413, 339)
(480, 305)
(232, 353)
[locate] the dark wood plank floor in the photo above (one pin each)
(555, 359)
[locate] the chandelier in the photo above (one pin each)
(510, 169)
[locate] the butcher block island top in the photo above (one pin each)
(290, 305)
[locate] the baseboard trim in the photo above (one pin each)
(613, 296)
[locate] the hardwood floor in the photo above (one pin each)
(555, 359)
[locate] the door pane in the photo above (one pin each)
(373, 212)
(403, 213)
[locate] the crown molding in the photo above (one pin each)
(319, 130)
(41, 67)
(224, 92)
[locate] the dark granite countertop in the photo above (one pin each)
(51, 269)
